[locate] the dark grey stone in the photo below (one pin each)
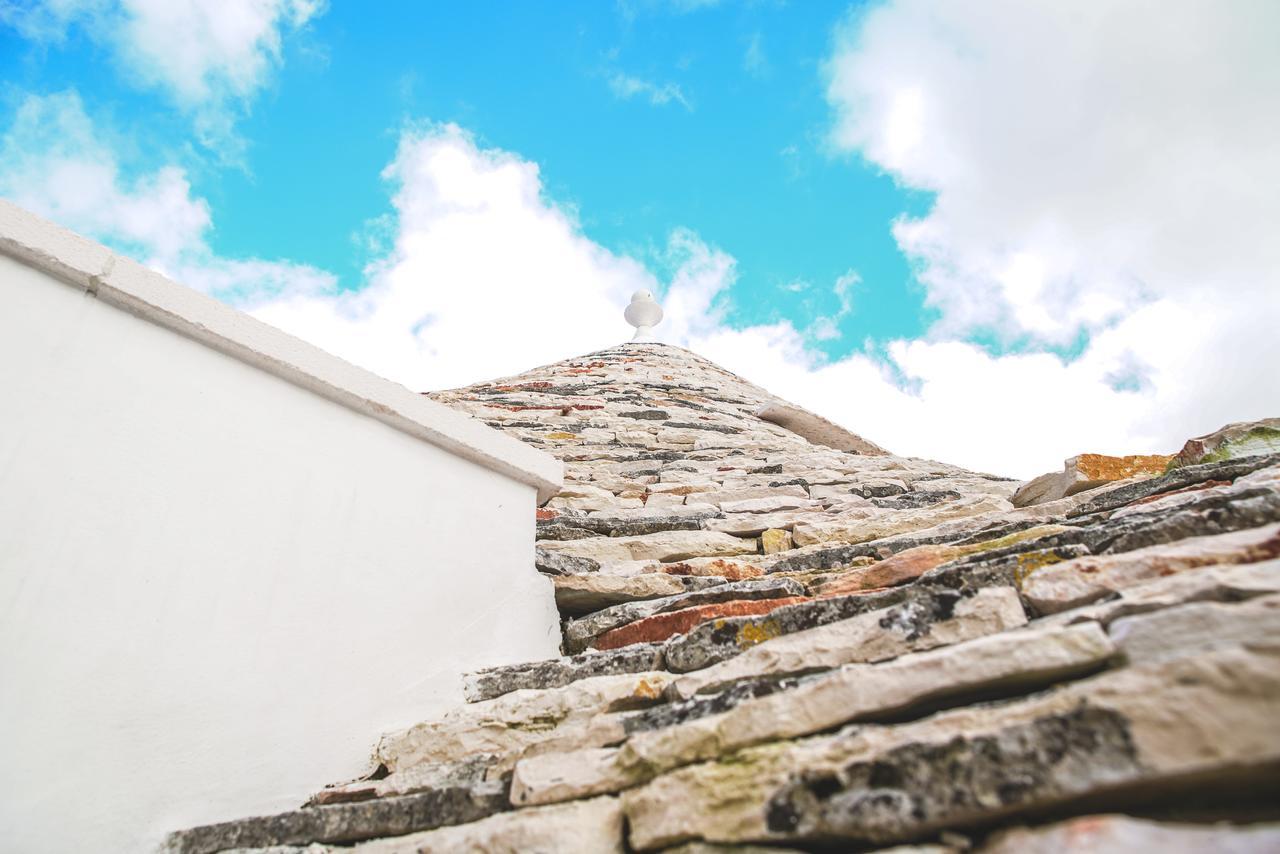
(353, 822)
(647, 415)
(558, 672)
(911, 500)
(702, 425)
(557, 563)
(561, 532)
(702, 705)
(916, 789)
(882, 490)
(719, 640)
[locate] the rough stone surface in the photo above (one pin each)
(853, 692)
(774, 540)
(582, 594)
(587, 826)
(1243, 439)
(892, 693)
(580, 633)
(1127, 733)
(345, 823)
(662, 626)
(1077, 582)
(510, 724)
(1196, 626)
(553, 563)
(1122, 834)
(558, 672)
(1088, 471)
(922, 623)
(663, 546)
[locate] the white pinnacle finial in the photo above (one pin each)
(643, 314)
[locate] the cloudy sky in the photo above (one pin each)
(993, 233)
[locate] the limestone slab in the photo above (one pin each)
(586, 826)
(579, 633)
(582, 594)
(1078, 582)
(659, 627)
(1125, 733)
(1122, 834)
(557, 672)
(1022, 659)
(507, 725)
(923, 623)
(664, 546)
(859, 525)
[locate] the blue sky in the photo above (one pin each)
(738, 150)
(895, 213)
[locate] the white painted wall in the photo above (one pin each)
(218, 587)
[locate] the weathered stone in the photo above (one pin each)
(563, 531)
(1176, 479)
(926, 621)
(912, 563)
(1231, 510)
(1088, 471)
(1078, 582)
(1243, 439)
(774, 540)
(816, 429)
(1124, 733)
(664, 546)
(882, 488)
(557, 672)
(1228, 583)
(346, 823)
(474, 772)
(1012, 660)
(1196, 626)
(662, 626)
(747, 493)
(733, 570)
(587, 826)
(554, 563)
(507, 725)
(767, 504)
(578, 634)
(1122, 834)
(754, 524)
(860, 525)
(582, 594)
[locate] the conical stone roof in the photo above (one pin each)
(776, 632)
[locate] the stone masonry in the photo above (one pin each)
(777, 633)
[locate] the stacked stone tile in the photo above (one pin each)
(771, 641)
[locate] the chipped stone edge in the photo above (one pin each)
(127, 285)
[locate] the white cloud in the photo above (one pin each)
(211, 57)
(626, 87)
(56, 162)
(487, 277)
(1104, 170)
(1091, 178)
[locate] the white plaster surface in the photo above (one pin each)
(218, 587)
(126, 284)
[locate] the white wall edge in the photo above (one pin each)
(127, 285)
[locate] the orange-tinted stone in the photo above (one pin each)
(662, 626)
(902, 567)
(730, 569)
(1104, 468)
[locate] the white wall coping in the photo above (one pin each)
(127, 285)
